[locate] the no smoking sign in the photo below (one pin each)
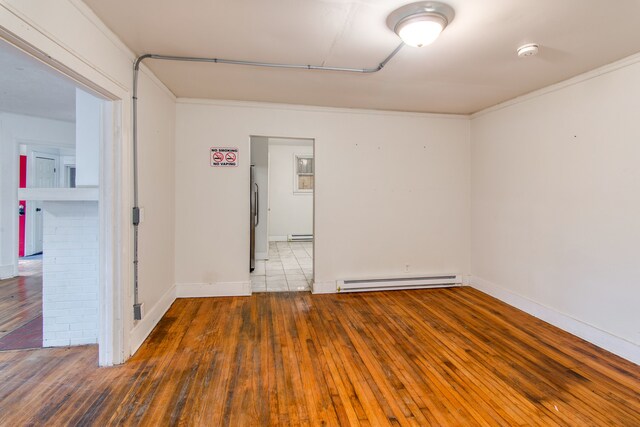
(224, 157)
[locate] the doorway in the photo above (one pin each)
(41, 171)
(282, 208)
(50, 127)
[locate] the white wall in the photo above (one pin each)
(157, 189)
(260, 158)
(556, 206)
(289, 212)
(70, 33)
(88, 135)
(391, 189)
(16, 129)
(70, 274)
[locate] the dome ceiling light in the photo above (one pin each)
(419, 24)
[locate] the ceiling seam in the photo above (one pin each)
(347, 23)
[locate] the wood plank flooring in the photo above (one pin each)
(431, 357)
(21, 297)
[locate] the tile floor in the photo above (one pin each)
(289, 268)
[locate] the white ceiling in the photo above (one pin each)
(471, 66)
(27, 86)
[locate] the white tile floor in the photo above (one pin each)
(289, 268)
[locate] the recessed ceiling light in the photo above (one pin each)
(530, 49)
(419, 24)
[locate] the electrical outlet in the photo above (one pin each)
(406, 268)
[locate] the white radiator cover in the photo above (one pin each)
(421, 281)
(300, 237)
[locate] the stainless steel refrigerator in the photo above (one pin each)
(254, 220)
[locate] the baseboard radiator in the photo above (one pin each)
(300, 237)
(397, 283)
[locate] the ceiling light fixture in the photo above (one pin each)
(419, 24)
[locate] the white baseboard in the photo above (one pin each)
(278, 238)
(223, 289)
(151, 318)
(262, 256)
(605, 340)
(324, 287)
(8, 271)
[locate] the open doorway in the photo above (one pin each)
(51, 133)
(282, 198)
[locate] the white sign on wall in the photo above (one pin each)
(224, 156)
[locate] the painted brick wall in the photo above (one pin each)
(70, 273)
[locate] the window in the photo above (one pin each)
(303, 173)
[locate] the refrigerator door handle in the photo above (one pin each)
(252, 221)
(257, 205)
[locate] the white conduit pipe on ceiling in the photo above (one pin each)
(136, 68)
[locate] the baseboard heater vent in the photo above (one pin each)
(300, 237)
(397, 283)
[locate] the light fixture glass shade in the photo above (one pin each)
(419, 24)
(421, 30)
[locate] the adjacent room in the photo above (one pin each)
(319, 213)
(282, 183)
(51, 132)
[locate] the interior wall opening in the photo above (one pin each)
(282, 214)
(52, 131)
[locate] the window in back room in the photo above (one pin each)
(303, 164)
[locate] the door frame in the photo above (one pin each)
(33, 151)
(268, 199)
(115, 230)
(313, 194)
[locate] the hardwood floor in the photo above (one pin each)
(432, 357)
(21, 297)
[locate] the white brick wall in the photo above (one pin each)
(70, 273)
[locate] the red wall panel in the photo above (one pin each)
(22, 218)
